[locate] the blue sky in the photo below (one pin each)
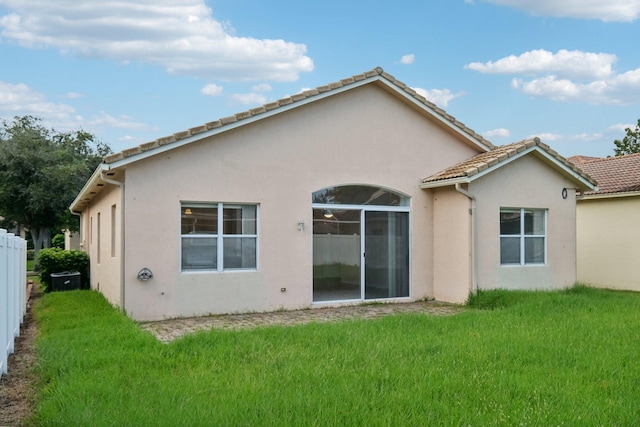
(567, 71)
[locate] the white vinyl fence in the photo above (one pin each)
(13, 292)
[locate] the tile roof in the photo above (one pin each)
(615, 175)
(490, 159)
(305, 95)
(578, 160)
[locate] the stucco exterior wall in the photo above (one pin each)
(525, 183)
(362, 136)
(608, 242)
(452, 265)
(102, 242)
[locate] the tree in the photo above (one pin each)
(630, 143)
(41, 172)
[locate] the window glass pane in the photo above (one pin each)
(387, 255)
(509, 222)
(198, 220)
(239, 219)
(510, 250)
(534, 222)
(534, 250)
(199, 253)
(359, 195)
(342, 222)
(239, 252)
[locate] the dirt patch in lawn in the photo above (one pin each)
(168, 330)
(17, 387)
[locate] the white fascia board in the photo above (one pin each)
(296, 104)
(95, 177)
(469, 179)
(437, 116)
(609, 195)
(545, 154)
(575, 175)
(237, 124)
(444, 183)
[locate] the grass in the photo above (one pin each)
(514, 358)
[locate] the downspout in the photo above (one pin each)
(122, 258)
(473, 285)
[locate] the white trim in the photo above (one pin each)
(523, 237)
(468, 179)
(376, 208)
(445, 183)
(363, 210)
(609, 195)
(219, 236)
(295, 104)
(438, 116)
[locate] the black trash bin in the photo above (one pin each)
(65, 281)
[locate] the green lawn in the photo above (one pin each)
(514, 359)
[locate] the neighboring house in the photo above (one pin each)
(321, 199)
(607, 223)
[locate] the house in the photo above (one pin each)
(607, 223)
(360, 190)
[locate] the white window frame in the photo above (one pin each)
(220, 236)
(522, 236)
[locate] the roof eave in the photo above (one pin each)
(583, 183)
(618, 195)
(84, 193)
(231, 126)
(439, 115)
(445, 182)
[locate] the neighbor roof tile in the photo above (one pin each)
(619, 174)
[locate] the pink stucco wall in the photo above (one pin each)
(362, 136)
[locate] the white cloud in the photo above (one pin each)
(19, 99)
(586, 137)
(182, 37)
(408, 59)
(497, 133)
(621, 127)
(609, 10)
(74, 95)
(440, 97)
(570, 76)
(568, 63)
(547, 137)
(262, 87)
(212, 89)
(249, 98)
(108, 121)
(621, 89)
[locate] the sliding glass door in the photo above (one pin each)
(336, 255)
(360, 251)
(386, 255)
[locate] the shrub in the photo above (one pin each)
(58, 241)
(30, 254)
(56, 260)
